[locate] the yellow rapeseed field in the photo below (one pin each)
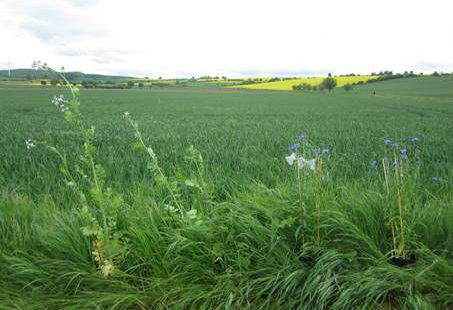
(24, 83)
(288, 84)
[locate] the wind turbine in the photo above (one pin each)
(9, 69)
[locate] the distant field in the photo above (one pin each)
(369, 227)
(24, 83)
(288, 84)
(260, 126)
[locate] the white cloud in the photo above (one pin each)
(233, 38)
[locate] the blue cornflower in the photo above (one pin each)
(403, 154)
(374, 164)
(294, 146)
(418, 163)
(317, 151)
(435, 179)
(302, 137)
(415, 139)
(388, 142)
(325, 151)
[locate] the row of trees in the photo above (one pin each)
(389, 75)
(95, 84)
(208, 77)
(329, 83)
(55, 82)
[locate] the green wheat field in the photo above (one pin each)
(189, 201)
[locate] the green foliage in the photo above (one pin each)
(100, 206)
(347, 87)
(89, 84)
(328, 83)
(303, 86)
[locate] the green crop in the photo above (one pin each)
(195, 206)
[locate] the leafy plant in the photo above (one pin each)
(100, 205)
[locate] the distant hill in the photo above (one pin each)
(419, 88)
(26, 74)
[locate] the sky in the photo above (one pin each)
(234, 38)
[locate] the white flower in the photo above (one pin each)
(60, 102)
(29, 143)
(291, 158)
(126, 114)
(170, 208)
(301, 162)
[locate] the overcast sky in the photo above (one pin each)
(234, 38)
